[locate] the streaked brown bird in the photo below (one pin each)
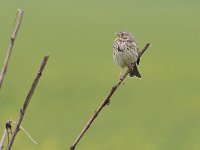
(125, 53)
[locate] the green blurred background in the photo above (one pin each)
(159, 112)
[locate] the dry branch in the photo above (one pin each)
(3, 139)
(12, 41)
(6, 132)
(106, 101)
(26, 102)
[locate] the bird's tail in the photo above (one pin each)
(134, 72)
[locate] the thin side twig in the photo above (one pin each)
(27, 101)
(12, 41)
(26, 132)
(106, 101)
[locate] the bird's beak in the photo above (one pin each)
(117, 36)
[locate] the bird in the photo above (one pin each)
(126, 53)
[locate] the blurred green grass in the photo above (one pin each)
(161, 111)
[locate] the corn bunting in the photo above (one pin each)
(125, 53)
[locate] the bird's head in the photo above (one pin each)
(124, 36)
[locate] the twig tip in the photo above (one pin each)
(72, 148)
(149, 44)
(20, 10)
(46, 56)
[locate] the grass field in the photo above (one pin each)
(159, 112)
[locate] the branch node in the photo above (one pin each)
(8, 125)
(107, 101)
(39, 73)
(18, 129)
(12, 40)
(114, 87)
(21, 111)
(72, 148)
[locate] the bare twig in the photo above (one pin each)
(12, 40)
(105, 102)
(26, 132)
(27, 100)
(29, 136)
(6, 132)
(3, 139)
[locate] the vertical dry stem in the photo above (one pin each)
(3, 139)
(27, 100)
(12, 40)
(6, 132)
